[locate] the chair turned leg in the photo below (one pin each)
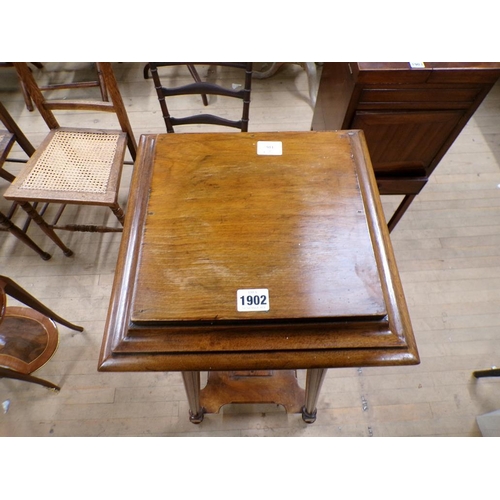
(34, 215)
(6, 373)
(119, 213)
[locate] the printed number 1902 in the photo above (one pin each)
(255, 299)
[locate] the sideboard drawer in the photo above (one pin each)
(418, 98)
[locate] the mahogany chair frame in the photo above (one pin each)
(203, 88)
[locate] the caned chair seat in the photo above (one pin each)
(73, 166)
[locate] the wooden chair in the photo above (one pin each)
(28, 335)
(7, 139)
(75, 165)
(204, 88)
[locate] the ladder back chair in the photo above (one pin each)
(75, 165)
(7, 138)
(204, 88)
(28, 335)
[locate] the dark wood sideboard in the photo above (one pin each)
(410, 115)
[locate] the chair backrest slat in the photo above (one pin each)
(204, 88)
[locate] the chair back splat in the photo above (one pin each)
(75, 165)
(204, 88)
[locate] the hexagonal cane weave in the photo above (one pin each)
(74, 161)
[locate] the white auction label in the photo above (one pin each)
(270, 148)
(417, 65)
(252, 299)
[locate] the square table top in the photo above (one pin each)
(222, 217)
(292, 219)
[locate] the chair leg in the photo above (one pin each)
(33, 214)
(6, 373)
(13, 229)
(17, 292)
(120, 214)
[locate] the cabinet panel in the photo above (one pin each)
(405, 142)
(410, 116)
(415, 98)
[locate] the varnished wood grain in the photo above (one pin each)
(222, 218)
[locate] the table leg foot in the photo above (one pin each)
(314, 381)
(198, 418)
(192, 385)
(309, 418)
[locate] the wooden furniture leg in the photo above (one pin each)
(192, 385)
(13, 128)
(34, 215)
(6, 373)
(403, 206)
(9, 226)
(17, 292)
(314, 381)
(493, 372)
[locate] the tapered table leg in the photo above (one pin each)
(192, 386)
(314, 381)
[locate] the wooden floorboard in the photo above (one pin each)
(448, 251)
